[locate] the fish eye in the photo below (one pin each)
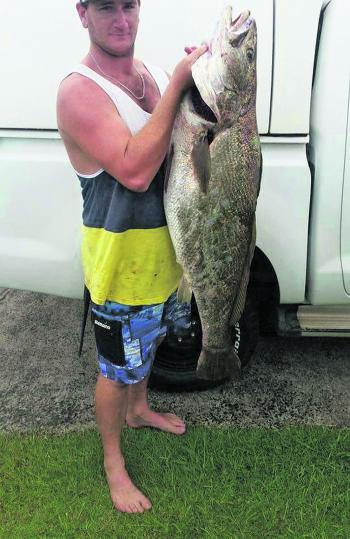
(250, 55)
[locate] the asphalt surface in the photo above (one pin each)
(46, 387)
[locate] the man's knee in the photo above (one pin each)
(112, 384)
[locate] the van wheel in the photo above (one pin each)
(176, 359)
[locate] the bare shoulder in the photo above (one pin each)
(73, 88)
(81, 99)
(76, 87)
(88, 121)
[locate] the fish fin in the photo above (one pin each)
(169, 162)
(239, 303)
(219, 364)
(184, 291)
(201, 161)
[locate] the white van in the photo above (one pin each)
(300, 275)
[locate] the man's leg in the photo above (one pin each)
(111, 407)
(139, 413)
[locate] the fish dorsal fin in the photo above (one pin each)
(201, 161)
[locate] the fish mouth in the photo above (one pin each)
(209, 70)
(200, 107)
(239, 28)
(240, 20)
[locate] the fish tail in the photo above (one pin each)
(219, 364)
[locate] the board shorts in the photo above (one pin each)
(127, 337)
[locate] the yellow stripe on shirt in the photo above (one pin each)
(135, 267)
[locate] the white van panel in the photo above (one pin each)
(329, 235)
(283, 213)
(42, 41)
(345, 224)
(40, 217)
(296, 26)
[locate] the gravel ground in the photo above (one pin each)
(46, 387)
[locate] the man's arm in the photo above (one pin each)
(88, 118)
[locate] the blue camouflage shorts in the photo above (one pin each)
(127, 337)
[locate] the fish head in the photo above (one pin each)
(225, 75)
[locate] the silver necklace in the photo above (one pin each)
(120, 83)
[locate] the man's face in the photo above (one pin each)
(112, 24)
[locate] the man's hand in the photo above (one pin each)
(182, 76)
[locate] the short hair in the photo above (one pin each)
(86, 2)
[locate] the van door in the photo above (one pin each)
(328, 279)
(345, 221)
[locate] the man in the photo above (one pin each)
(115, 116)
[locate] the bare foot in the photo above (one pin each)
(125, 496)
(164, 421)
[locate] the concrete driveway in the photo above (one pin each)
(45, 386)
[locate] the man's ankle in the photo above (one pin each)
(137, 411)
(114, 459)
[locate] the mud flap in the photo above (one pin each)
(87, 300)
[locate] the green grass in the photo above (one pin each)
(211, 483)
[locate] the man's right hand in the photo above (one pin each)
(182, 76)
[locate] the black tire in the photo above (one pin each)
(176, 359)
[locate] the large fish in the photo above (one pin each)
(211, 188)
